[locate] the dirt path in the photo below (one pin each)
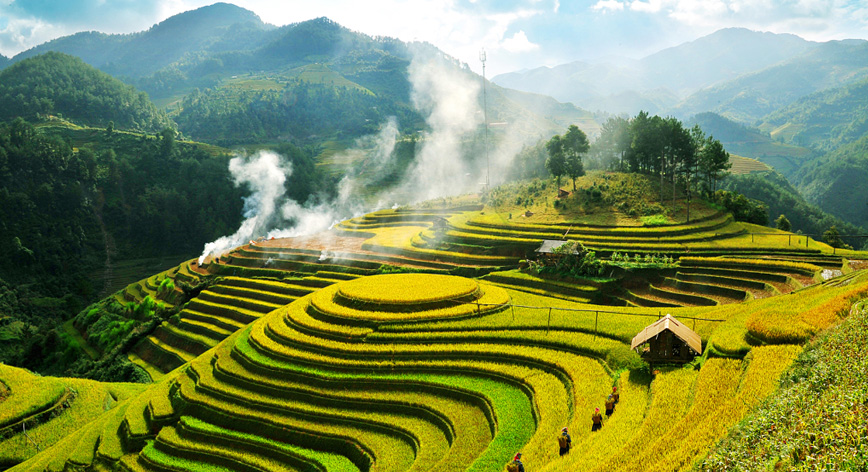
(110, 248)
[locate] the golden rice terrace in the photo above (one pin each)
(416, 339)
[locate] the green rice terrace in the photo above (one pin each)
(437, 338)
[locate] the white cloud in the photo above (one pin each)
(651, 6)
(608, 5)
(519, 43)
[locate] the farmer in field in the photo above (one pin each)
(565, 441)
(515, 465)
(615, 394)
(610, 405)
(597, 418)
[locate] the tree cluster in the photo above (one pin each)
(565, 154)
(662, 146)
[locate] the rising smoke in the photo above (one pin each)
(446, 93)
(266, 175)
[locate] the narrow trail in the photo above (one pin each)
(110, 248)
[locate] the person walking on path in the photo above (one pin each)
(565, 441)
(615, 394)
(597, 420)
(610, 405)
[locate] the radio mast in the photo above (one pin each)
(485, 122)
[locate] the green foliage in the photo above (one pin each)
(833, 238)
(779, 195)
(166, 287)
(59, 84)
(571, 259)
(743, 208)
(783, 224)
(835, 182)
(655, 220)
(301, 109)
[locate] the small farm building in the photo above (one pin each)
(667, 340)
(548, 251)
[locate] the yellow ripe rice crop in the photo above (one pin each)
(91, 400)
(670, 400)
(721, 261)
(326, 303)
(406, 289)
(28, 394)
(794, 321)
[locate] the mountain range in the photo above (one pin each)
(738, 73)
(220, 74)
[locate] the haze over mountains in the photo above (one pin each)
(224, 76)
(736, 72)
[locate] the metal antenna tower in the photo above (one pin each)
(485, 122)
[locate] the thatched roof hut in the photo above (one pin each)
(667, 340)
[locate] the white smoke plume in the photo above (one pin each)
(448, 96)
(266, 175)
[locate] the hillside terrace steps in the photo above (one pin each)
(757, 289)
(225, 307)
(352, 258)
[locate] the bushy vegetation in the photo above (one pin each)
(64, 86)
(817, 420)
(298, 111)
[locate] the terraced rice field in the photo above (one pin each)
(409, 340)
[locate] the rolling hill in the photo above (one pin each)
(215, 28)
(824, 120)
(836, 182)
(753, 143)
(59, 84)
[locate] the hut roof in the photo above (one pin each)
(668, 323)
(549, 245)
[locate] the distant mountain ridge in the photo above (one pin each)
(659, 81)
(751, 96)
(213, 28)
(229, 78)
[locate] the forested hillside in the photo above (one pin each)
(836, 182)
(751, 142)
(824, 120)
(63, 85)
(782, 198)
(68, 215)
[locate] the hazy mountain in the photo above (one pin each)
(4, 61)
(59, 84)
(215, 28)
(752, 96)
(751, 142)
(824, 120)
(720, 56)
(658, 81)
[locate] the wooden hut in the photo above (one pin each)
(667, 341)
(548, 252)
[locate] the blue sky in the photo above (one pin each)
(516, 34)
